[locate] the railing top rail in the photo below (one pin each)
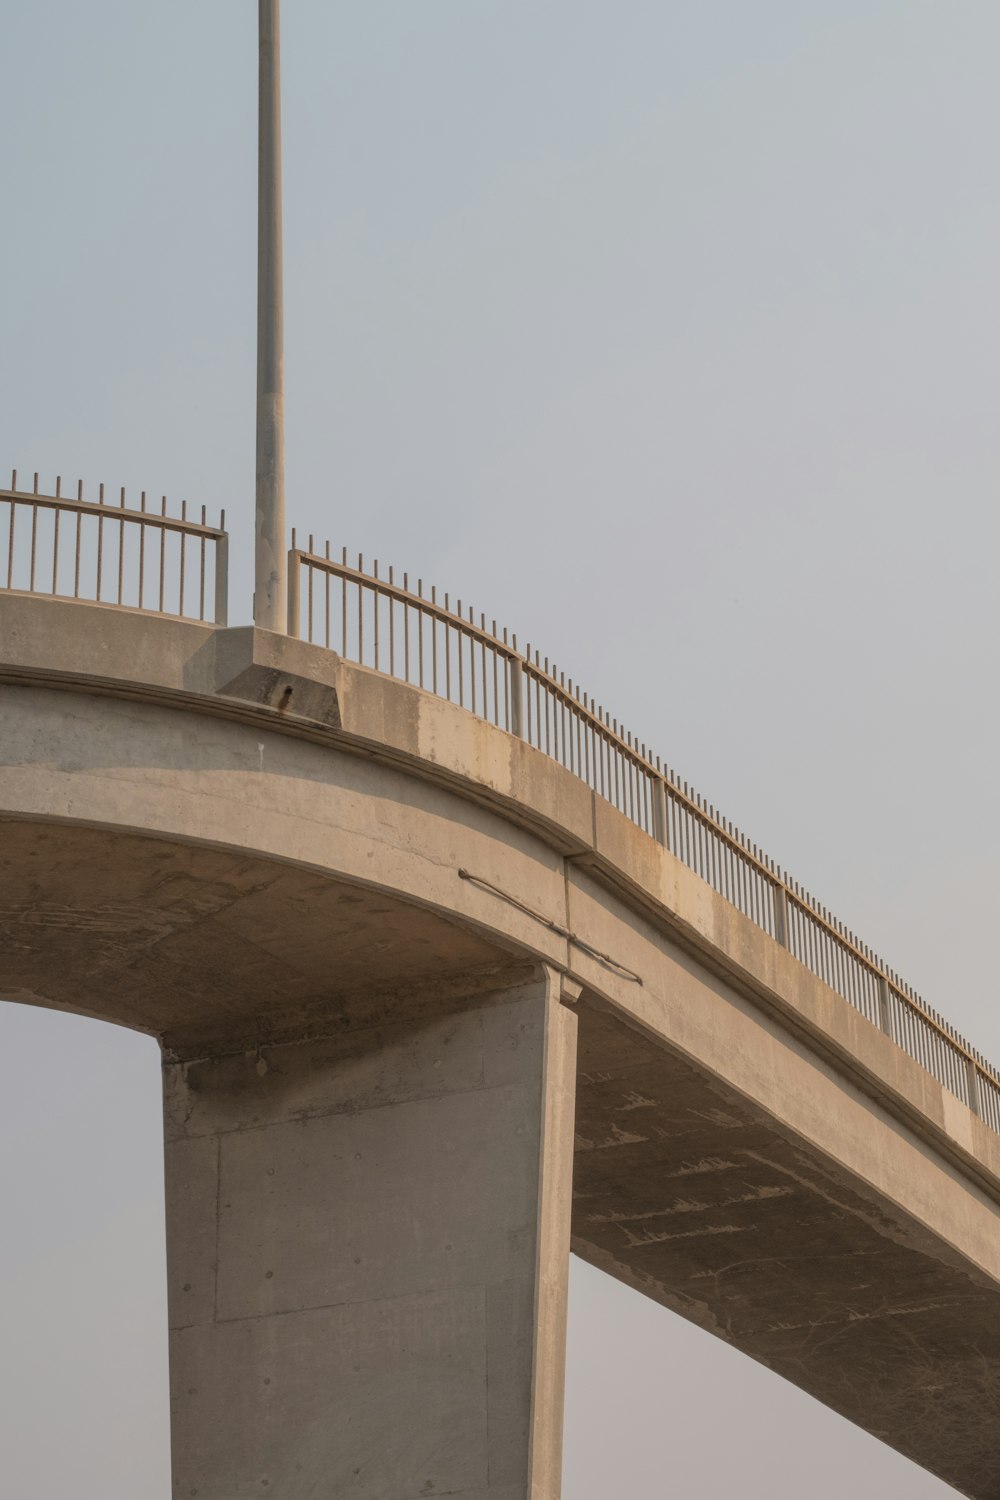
(571, 695)
(117, 510)
(388, 587)
(631, 749)
(136, 556)
(576, 699)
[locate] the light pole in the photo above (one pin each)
(269, 571)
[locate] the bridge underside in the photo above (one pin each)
(681, 1188)
(689, 1195)
(198, 945)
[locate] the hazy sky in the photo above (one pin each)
(666, 333)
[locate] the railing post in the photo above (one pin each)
(294, 574)
(222, 580)
(975, 1100)
(661, 826)
(781, 915)
(516, 697)
(884, 1013)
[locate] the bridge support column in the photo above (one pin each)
(368, 1245)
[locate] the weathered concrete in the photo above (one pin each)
(233, 840)
(368, 1240)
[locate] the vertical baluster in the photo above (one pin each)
(10, 537)
(163, 547)
(520, 691)
(583, 748)
(142, 547)
(121, 545)
(34, 544)
(548, 713)
(724, 855)
(826, 954)
(609, 765)
(512, 716)
(631, 785)
(600, 754)
(183, 541)
(392, 625)
(684, 833)
(201, 566)
(221, 610)
(76, 548)
(310, 590)
(55, 537)
(484, 668)
(406, 629)
(843, 968)
(836, 957)
(376, 601)
(360, 586)
(699, 838)
(342, 580)
(326, 598)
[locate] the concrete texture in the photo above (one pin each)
(200, 945)
(717, 1210)
(191, 848)
(368, 1248)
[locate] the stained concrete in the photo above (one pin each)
(180, 851)
(367, 1250)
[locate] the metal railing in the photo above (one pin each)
(383, 623)
(72, 548)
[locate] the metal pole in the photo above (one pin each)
(269, 576)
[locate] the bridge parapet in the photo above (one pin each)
(130, 557)
(416, 637)
(141, 559)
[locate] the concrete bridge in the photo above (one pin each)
(451, 975)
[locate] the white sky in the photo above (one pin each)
(664, 332)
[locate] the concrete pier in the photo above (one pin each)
(368, 1248)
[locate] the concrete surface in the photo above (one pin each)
(368, 1246)
(192, 848)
